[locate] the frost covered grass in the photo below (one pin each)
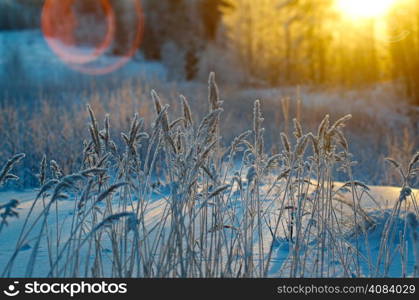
(175, 202)
(53, 123)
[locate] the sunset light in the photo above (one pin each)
(365, 8)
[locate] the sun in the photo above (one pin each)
(365, 8)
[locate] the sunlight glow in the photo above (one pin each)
(365, 8)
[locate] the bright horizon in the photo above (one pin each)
(357, 9)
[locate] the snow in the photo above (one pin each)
(26, 57)
(376, 102)
(377, 203)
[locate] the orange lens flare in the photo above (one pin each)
(60, 19)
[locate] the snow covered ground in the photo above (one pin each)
(376, 102)
(377, 202)
(26, 59)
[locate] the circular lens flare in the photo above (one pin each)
(59, 23)
(60, 20)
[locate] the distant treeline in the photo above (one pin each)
(268, 42)
(181, 27)
(19, 14)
